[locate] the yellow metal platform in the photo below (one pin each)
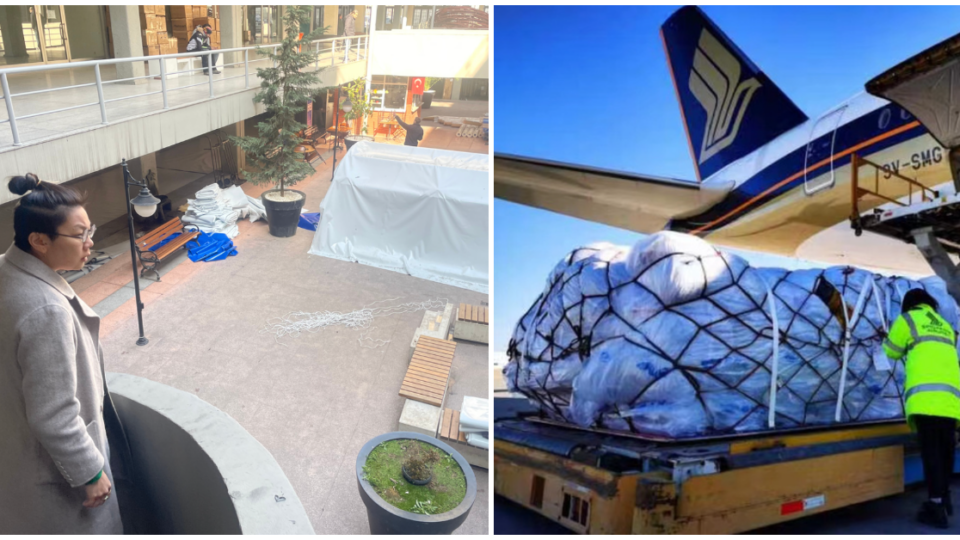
(661, 493)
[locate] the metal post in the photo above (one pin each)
(103, 104)
(133, 251)
(163, 82)
(333, 57)
(246, 68)
(9, 100)
(317, 63)
(210, 71)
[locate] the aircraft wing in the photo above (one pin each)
(629, 201)
(925, 85)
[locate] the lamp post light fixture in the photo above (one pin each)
(146, 205)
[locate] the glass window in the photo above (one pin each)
(19, 36)
(389, 93)
(421, 16)
(388, 16)
(263, 23)
(86, 30)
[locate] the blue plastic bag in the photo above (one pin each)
(212, 247)
(309, 221)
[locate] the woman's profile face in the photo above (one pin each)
(67, 253)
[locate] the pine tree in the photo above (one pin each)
(285, 90)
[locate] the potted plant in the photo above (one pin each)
(429, 93)
(285, 90)
(359, 107)
(414, 484)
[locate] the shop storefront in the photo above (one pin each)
(49, 34)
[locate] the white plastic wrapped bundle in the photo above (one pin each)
(217, 210)
(674, 339)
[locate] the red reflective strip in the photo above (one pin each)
(791, 508)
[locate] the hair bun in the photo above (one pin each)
(23, 184)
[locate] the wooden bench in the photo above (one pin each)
(149, 258)
(477, 314)
(449, 432)
(310, 136)
(472, 324)
(426, 378)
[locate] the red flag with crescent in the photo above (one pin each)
(418, 86)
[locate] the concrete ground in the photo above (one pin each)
(312, 400)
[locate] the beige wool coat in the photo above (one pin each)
(52, 398)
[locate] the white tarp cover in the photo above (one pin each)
(419, 211)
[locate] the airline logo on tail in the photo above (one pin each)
(715, 83)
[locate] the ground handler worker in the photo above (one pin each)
(932, 394)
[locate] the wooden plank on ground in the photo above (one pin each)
(433, 394)
(425, 382)
(439, 343)
(447, 416)
(420, 397)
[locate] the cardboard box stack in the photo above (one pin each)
(186, 18)
(155, 32)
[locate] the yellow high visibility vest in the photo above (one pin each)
(933, 370)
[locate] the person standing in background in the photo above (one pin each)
(349, 29)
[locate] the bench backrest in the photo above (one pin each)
(158, 234)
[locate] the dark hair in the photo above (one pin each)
(915, 297)
(43, 208)
(417, 120)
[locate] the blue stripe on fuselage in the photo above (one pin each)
(848, 135)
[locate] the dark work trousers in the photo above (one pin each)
(208, 58)
(936, 435)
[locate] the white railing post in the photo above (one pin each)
(333, 56)
(103, 104)
(210, 71)
(246, 68)
(163, 82)
(317, 63)
(9, 100)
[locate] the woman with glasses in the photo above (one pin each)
(55, 410)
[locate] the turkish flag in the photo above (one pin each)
(418, 86)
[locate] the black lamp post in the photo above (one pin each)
(347, 107)
(145, 204)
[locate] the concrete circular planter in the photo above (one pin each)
(385, 518)
(283, 216)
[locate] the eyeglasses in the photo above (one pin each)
(87, 234)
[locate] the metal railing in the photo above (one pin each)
(357, 48)
(858, 192)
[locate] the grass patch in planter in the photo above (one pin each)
(384, 471)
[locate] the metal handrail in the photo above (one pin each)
(359, 44)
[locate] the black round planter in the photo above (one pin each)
(354, 139)
(283, 216)
(408, 478)
(385, 518)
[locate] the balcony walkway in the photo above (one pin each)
(182, 89)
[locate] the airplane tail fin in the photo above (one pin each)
(730, 108)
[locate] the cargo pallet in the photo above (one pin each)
(602, 483)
